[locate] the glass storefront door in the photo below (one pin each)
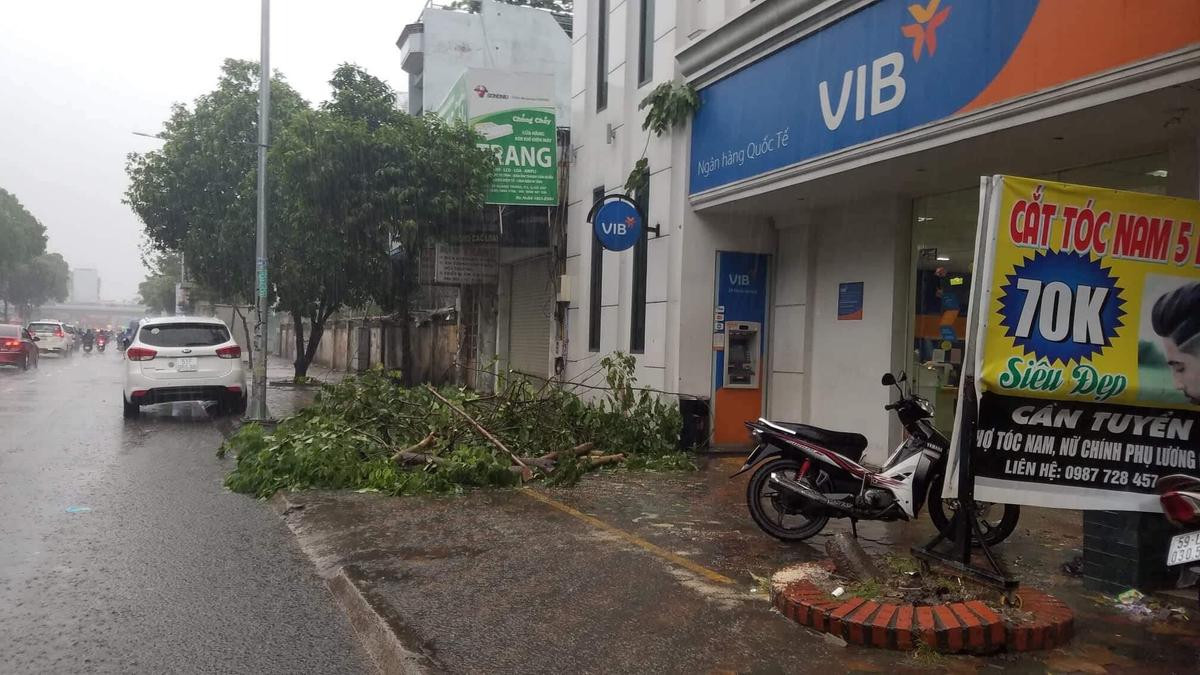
(943, 235)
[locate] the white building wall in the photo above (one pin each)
(501, 36)
(679, 289)
(866, 243)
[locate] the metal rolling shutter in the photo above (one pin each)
(532, 294)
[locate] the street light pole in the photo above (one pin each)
(259, 386)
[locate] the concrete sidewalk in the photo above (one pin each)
(285, 398)
(632, 572)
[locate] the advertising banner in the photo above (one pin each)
(456, 265)
(1089, 367)
(894, 65)
(514, 114)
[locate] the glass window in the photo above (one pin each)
(183, 335)
(597, 286)
(646, 43)
(943, 235)
(637, 323)
(601, 54)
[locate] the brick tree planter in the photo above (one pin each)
(960, 627)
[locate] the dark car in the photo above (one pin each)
(17, 347)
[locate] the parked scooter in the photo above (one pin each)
(807, 475)
(1179, 495)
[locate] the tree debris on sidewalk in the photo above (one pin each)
(371, 433)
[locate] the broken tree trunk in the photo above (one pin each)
(849, 558)
(405, 457)
(601, 460)
(526, 473)
(581, 449)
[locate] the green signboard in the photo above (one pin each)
(514, 116)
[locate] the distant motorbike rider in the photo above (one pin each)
(89, 336)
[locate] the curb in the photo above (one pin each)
(960, 627)
(379, 630)
(379, 634)
(281, 503)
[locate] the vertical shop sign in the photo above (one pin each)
(514, 115)
(1089, 371)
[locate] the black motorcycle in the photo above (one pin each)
(807, 475)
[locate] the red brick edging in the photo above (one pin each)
(956, 627)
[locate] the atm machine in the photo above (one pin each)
(739, 346)
(742, 358)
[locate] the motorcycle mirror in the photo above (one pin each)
(888, 380)
(903, 377)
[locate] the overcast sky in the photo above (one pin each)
(78, 76)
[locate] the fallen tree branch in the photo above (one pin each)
(542, 463)
(526, 472)
(405, 457)
(581, 449)
(421, 445)
(601, 460)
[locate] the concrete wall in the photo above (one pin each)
(867, 243)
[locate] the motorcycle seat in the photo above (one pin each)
(849, 445)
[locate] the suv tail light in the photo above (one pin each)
(58, 332)
(230, 352)
(11, 344)
(140, 354)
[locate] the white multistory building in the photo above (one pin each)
(816, 218)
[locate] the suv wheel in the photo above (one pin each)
(132, 410)
(234, 405)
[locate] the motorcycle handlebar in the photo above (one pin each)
(892, 406)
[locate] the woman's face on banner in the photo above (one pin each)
(1185, 367)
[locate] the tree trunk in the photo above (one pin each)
(849, 558)
(300, 365)
(406, 355)
(5, 311)
(304, 359)
(246, 331)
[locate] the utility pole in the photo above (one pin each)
(258, 399)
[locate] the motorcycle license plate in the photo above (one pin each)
(1185, 548)
(186, 364)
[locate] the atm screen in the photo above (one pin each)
(741, 369)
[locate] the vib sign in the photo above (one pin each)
(898, 64)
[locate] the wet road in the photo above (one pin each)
(120, 551)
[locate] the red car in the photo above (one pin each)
(17, 347)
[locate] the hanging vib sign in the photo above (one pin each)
(617, 222)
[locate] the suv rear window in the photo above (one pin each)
(183, 335)
(43, 327)
(9, 331)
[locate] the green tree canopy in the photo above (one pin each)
(351, 179)
(196, 194)
(157, 290)
(38, 281)
(22, 239)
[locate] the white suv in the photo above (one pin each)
(52, 337)
(184, 358)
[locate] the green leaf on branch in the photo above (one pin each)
(669, 105)
(355, 431)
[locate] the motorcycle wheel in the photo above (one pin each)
(996, 521)
(780, 514)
